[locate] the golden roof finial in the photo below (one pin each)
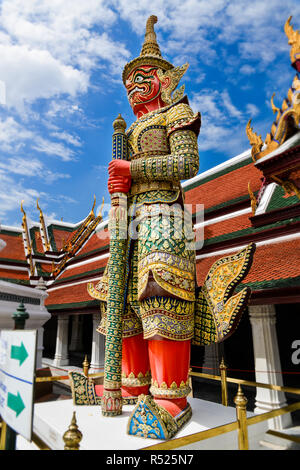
(94, 203)
(274, 108)
(22, 210)
(38, 207)
(254, 139)
(100, 211)
(253, 199)
(150, 46)
(294, 41)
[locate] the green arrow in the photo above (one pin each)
(19, 353)
(16, 403)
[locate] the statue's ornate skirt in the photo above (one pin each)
(160, 245)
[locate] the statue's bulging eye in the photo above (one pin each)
(138, 79)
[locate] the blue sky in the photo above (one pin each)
(61, 65)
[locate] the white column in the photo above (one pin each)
(76, 335)
(61, 350)
(39, 347)
(267, 363)
(98, 347)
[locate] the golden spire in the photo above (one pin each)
(150, 46)
(150, 53)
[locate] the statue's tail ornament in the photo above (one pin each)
(218, 312)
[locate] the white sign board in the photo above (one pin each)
(17, 373)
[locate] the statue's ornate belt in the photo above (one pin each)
(144, 186)
(149, 153)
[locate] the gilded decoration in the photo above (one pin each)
(287, 116)
(27, 240)
(43, 227)
(75, 242)
(294, 41)
(285, 126)
(217, 310)
(150, 420)
(138, 380)
(174, 391)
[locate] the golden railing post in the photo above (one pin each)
(86, 366)
(3, 436)
(223, 372)
(241, 412)
(72, 436)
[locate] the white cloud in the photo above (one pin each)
(30, 167)
(69, 138)
(222, 122)
(247, 69)
(49, 48)
(35, 74)
(53, 148)
(12, 135)
(252, 110)
(12, 193)
(229, 106)
(203, 27)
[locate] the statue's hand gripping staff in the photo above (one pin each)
(112, 398)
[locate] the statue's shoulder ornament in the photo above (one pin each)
(180, 116)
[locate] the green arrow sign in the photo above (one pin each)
(19, 353)
(16, 403)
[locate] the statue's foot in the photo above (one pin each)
(85, 392)
(129, 394)
(151, 420)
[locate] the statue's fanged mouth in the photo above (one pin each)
(135, 90)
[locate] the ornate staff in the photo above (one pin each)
(112, 397)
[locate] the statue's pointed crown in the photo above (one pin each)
(150, 53)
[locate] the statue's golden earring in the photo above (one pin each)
(170, 79)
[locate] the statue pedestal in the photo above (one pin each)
(52, 419)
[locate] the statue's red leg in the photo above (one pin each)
(136, 377)
(169, 362)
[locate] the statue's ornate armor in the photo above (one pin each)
(163, 150)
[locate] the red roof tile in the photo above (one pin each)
(84, 268)
(11, 274)
(14, 248)
(96, 241)
(271, 262)
(38, 241)
(69, 294)
(226, 187)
